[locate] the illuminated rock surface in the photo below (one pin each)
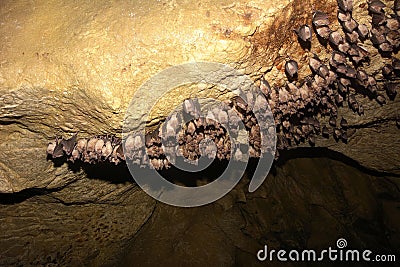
(74, 67)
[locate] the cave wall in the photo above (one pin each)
(74, 66)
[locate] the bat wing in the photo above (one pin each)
(69, 144)
(58, 150)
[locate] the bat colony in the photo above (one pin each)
(296, 109)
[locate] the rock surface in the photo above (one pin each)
(308, 203)
(305, 203)
(74, 66)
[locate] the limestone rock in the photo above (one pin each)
(73, 66)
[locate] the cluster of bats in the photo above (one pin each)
(336, 82)
(187, 134)
(297, 108)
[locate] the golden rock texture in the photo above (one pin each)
(73, 66)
